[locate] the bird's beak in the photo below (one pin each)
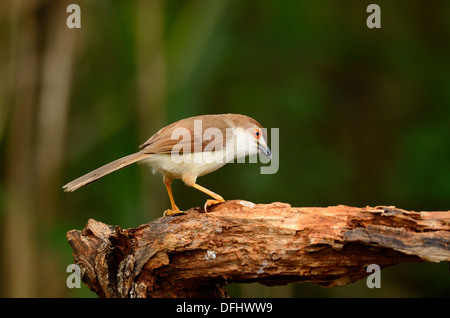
(265, 150)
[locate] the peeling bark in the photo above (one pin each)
(196, 254)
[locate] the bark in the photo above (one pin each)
(195, 254)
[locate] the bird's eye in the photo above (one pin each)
(257, 133)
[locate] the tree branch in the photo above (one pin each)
(196, 254)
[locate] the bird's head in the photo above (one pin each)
(251, 138)
(259, 138)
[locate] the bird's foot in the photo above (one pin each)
(172, 212)
(211, 202)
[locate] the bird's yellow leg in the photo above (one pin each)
(217, 198)
(175, 209)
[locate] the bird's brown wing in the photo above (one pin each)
(183, 135)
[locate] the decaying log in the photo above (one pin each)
(196, 254)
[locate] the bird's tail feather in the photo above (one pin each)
(103, 171)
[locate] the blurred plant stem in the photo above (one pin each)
(19, 250)
(151, 73)
(57, 64)
(55, 86)
(42, 55)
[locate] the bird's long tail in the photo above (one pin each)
(103, 171)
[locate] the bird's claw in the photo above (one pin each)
(211, 202)
(171, 212)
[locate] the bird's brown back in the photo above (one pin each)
(163, 141)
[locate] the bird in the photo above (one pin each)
(190, 148)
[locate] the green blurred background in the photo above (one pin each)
(363, 116)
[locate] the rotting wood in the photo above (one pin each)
(196, 254)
